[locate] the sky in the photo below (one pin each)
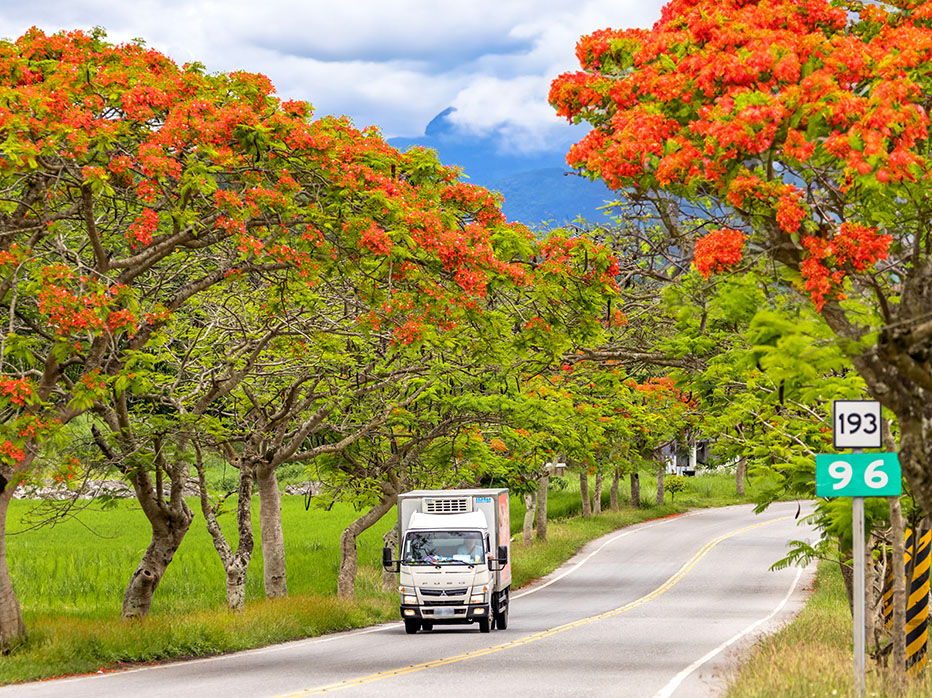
(391, 63)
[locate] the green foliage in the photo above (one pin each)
(766, 389)
(674, 484)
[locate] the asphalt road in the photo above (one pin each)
(659, 609)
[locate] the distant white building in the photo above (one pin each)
(683, 459)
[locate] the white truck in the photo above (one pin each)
(454, 564)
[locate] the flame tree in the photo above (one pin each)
(798, 130)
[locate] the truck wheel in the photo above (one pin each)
(501, 619)
(427, 626)
(412, 626)
(484, 625)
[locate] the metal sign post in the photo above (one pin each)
(857, 532)
(856, 425)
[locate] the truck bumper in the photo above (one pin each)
(460, 614)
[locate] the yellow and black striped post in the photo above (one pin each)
(917, 607)
(917, 603)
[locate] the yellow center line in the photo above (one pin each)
(663, 588)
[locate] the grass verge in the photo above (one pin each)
(813, 655)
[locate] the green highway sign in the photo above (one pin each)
(858, 475)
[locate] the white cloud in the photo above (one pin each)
(513, 107)
(395, 64)
(517, 106)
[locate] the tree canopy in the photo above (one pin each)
(794, 130)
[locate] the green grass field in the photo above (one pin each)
(70, 578)
(80, 567)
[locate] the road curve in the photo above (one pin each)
(655, 610)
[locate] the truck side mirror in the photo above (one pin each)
(503, 555)
(387, 561)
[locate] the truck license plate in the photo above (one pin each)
(443, 611)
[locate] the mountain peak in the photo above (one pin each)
(440, 124)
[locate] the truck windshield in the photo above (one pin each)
(442, 548)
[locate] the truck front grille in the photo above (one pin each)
(432, 602)
(444, 592)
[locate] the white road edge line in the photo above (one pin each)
(675, 682)
(630, 530)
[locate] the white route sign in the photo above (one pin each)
(856, 424)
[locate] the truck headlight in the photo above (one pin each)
(477, 598)
(408, 599)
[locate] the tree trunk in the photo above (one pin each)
(899, 590)
(12, 628)
(389, 578)
(530, 511)
(915, 451)
(740, 471)
(597, 494)
(847, 575)
(635, 489)
(235, 564)
(346, 578)
(613, 492)
(170, 521)
(870, 581)
(661, 473)
(542, 485)
(270, 527)
(236, 583)
(584, 493)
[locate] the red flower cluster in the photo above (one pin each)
(18, 390)
(854, 247)
(122, 320)
(662, 390)
(11, 453)
(72, 304)
(141, 229)
(861, 246)
(790, 213)
(537, 323)
(376, 240)
(496, 444)
(719, 250)
(411, 331)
